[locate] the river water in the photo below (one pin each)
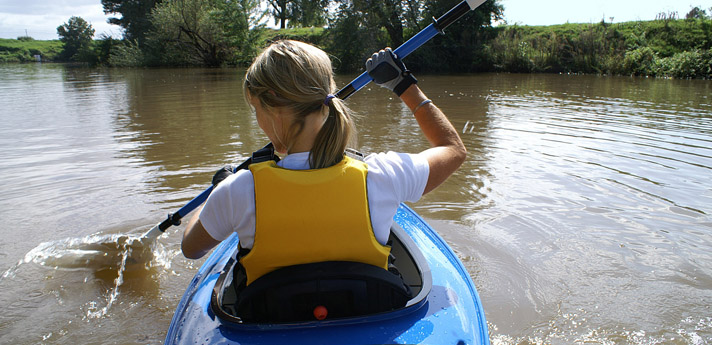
(583, 211)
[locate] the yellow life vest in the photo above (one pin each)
(307, 216)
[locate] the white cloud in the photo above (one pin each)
(41, 18)
(550, 12)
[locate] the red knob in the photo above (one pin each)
(320, 312)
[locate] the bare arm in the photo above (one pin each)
(447, 152)
(196, 241)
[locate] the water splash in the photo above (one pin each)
(94, 252)
(109, 256)
(113, 292)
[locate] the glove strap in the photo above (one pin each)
(408, 80)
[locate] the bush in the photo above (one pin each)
(103, 47)
(689, 64)
(517, 58)
(640, 61)
(25, 38)
(512, 53)
(674, 48)
(126, 54)
(611, 64)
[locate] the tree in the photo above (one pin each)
(307, 13)
(206, 32)
(242, 25)
(386, 14)
(363, 23)
(383, 14)
(696, 13)
(135, 16)
(298, 13)
(76, 35)
(347, 26)
(279, 11)
(459, 50)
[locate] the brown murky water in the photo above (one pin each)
(583, 212)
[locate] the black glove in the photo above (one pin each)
(222, 174)
(388, 71)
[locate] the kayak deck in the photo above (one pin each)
(445, 310)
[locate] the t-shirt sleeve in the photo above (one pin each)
(407, 173)
(226, 209)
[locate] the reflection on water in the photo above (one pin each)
(591, 206)
(582, 212)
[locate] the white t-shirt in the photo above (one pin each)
(392, 178)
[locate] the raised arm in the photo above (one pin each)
(447, 152)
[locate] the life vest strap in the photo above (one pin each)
(264, 154)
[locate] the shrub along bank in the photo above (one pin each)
(664, 48)
(679, 48)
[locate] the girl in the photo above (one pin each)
(317, 204)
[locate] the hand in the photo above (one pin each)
(388, 71)
(222, 174)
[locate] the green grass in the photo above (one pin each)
(677, 48)
(12, 50)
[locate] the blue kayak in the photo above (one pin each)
(444, 307)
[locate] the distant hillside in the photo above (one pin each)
(12, 50)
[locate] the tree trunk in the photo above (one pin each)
(393, 25)
(283, 14)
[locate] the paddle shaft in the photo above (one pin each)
(402, 51)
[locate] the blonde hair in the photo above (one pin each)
(299, 76)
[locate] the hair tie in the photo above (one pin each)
(328, 99)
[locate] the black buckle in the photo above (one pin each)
(264, 154)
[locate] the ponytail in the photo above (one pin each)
(335, 135)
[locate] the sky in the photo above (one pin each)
(549, 12)
(40, 18)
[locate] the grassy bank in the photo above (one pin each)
(665, 48)
(12, 50)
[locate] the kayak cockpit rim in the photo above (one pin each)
(410, 262)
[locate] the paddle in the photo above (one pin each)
(404, 50)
